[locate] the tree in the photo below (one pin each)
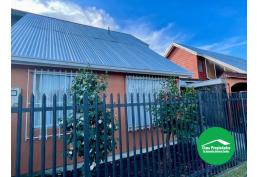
(94, 85)
(175, 112)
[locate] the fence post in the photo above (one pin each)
(86, 134)
(201, 125)
(31, 135)
(64, 134)
(43, 136)
(54, 137)
(18, 140)
(244, 118)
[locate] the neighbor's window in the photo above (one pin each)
(200, 65)
(140, 85)
(50, 83)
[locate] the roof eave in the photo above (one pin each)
(47, 63)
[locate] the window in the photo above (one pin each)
(50, 83)
(140, 85)
(200, 65)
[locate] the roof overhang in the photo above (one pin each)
(206, 83)
(61, 64)
(214, 60)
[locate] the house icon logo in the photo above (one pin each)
(216, 146)
(222, 142)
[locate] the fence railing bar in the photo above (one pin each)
(214, 122)
(217, 111)
(78, 107)
(201, 125)
(18, 138)
(127, 137)
(140, 134)
(74, 137)
(239, 139)
(243, 118)
(157, 136)
(222, 123)
(43, 136)
(181, 141)
(226, 121)
(235, 129)
(242, 98)
(163, 104)
(187, 136)
(172, 109)
(105, 135)
(152, 136)
(134, 138)
(190, 141)
(97, 135)
(54, 138)
(146, 135)
(113, 136)
(31, 143)
(120, 135)
(64, 135)
(86, 168)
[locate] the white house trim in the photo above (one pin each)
(206, 83)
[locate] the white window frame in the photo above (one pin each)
(155, 89)
(42, 72)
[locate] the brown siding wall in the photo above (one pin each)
(210, 70)
(185, 59)
(116, 84)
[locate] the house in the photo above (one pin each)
(46, 54)
(209, 68)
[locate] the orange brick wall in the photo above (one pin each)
(185, 59)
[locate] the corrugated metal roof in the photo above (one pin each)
(231, 60)
(44, 40)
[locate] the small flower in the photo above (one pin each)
(100, 121)
(110, 126)
(92, 166)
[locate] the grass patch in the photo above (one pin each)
(239, 171)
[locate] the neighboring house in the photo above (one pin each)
(47, 53)
(209, 68)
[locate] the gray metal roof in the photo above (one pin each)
(231, 60)
(43, 40)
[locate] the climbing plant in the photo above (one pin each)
(95, 86)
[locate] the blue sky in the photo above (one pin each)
(214, 25)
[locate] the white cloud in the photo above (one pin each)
(158, 39)
(224, 46)
(67, 11)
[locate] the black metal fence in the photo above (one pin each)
(121, 137)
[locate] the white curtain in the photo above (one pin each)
(50, 83)
(141, 85)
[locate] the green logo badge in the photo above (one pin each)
(216, 146)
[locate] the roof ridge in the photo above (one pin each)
(84, 25)
(187, 46)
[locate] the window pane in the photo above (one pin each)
(141, 85)
(50, 84)
(200, 66)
